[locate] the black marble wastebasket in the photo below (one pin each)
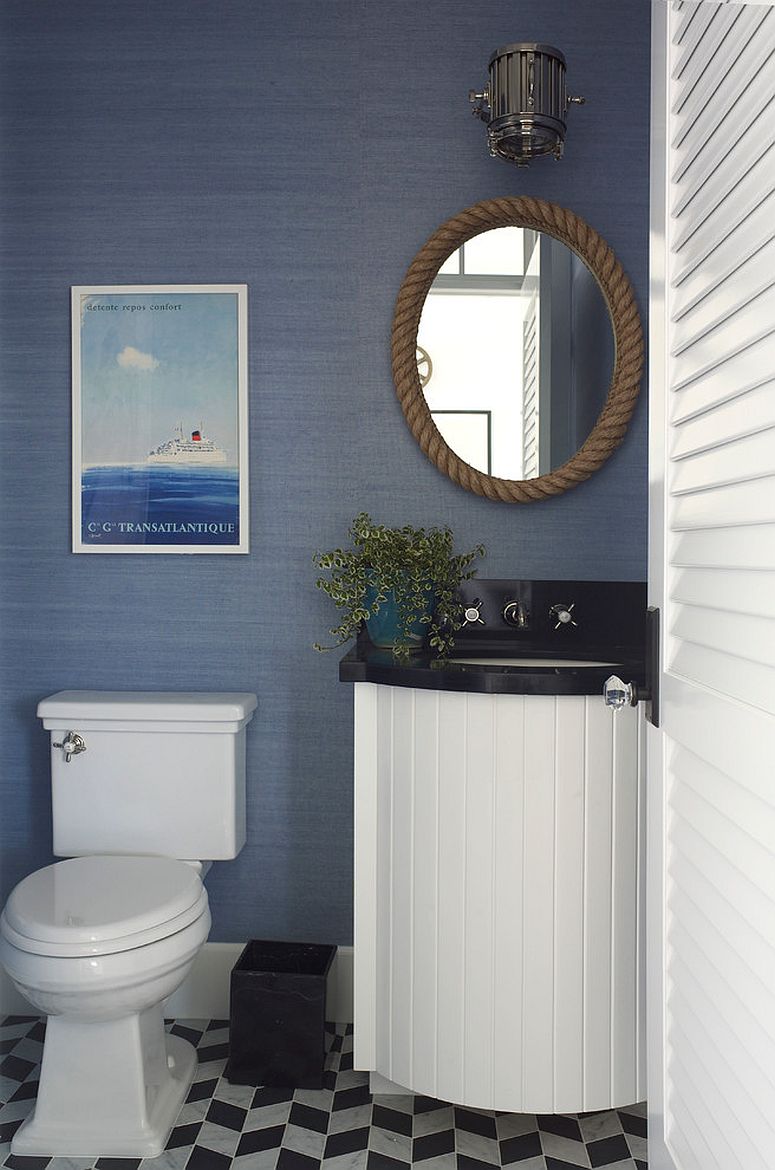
(278, 1011)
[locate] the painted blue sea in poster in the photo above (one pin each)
(158, 505)
(160, 410)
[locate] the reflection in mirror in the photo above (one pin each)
(517, 352)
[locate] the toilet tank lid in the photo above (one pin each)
(148, 706)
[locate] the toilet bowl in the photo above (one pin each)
(98, 943)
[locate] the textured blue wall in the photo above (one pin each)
(308, 150)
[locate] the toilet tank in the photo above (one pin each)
(161, 772)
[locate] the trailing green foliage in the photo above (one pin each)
(414, 563)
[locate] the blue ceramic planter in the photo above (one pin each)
(384, 628)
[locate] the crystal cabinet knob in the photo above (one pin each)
(618, 694)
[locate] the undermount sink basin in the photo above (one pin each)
(556, 662)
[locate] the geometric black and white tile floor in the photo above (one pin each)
(338, 1127)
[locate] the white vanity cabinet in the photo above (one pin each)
(499, 897)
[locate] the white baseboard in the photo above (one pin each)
(339, 992)
(205, 993)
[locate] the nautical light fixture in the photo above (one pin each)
(524, 103)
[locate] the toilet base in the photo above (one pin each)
(108, 1088)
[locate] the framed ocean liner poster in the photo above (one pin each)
(160, 428)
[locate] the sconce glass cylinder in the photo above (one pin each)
(528, 101)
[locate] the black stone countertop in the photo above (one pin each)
(365, 663)
(609, 629)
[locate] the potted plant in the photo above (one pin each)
(401, 582)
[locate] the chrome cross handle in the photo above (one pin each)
(563, 614)
(71, 745)
(472, 614)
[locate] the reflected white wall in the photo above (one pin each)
(475, 344)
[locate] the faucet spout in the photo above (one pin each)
(515, 614)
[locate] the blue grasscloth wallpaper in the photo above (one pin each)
(307, 150)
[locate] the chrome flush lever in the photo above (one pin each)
(618, 694)
(71, 745)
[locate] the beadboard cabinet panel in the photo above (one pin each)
(498, 948)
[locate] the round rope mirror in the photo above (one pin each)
(611, 425)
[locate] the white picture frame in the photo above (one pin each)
(160, 418)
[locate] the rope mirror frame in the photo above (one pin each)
(611, 426)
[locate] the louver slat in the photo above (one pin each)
(755, 43)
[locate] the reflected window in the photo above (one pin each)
(515, 329)
(501, 252)
(475, 393)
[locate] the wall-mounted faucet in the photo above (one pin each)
(515, 614)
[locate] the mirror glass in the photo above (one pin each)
(515, 352)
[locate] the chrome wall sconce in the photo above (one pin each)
(525, 103)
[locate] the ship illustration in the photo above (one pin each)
(196, 450)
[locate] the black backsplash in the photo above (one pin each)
(609, 616)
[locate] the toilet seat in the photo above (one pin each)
(102, 905)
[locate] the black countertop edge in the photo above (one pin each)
(423, 671)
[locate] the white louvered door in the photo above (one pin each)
(712, 574)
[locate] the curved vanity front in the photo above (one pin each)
(498, 886)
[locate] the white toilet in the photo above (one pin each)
(145, 786)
